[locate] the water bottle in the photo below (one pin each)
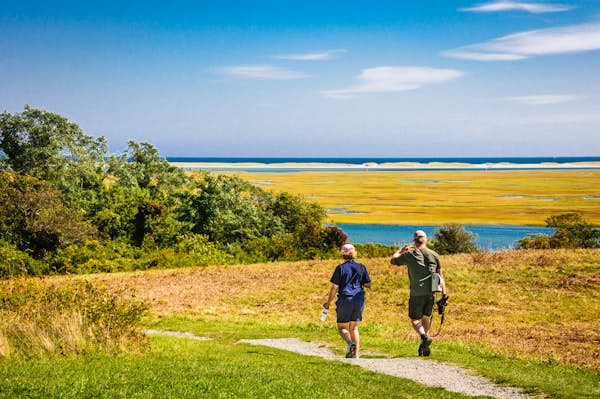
(324, 314)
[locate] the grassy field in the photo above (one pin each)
(527, 318)
(432, 197)
(177, 368)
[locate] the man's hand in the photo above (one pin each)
(326, 305)
(406, 248)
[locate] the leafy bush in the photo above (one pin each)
(34, 217)
(45, 320)
(16, 263)
(114, 256)
(372, 250)
(572, 231)
(453, 239)
(333, 236)
(201, 251)
(534, 241)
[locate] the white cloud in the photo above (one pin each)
(393, 79)
(535, 8)
(261, 72)
(316, 56)
(567, 39)
(544, 99)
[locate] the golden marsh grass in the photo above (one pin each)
(525, 197)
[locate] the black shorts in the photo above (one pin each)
(350, 308)
(419, 306)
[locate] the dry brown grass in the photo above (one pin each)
(539, 304)
(40, 319)
(64, 333)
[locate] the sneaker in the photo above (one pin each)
(354, 352)
(425, 346)
(350, 350)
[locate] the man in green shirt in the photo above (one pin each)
(422, 263)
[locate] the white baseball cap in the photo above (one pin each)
(348, 248)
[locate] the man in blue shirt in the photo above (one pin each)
(348, 281)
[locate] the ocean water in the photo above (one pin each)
(360, 161)
(492, 237)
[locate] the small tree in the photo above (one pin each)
(34, 217)
(534, 241)
(453, 239)
(572, 231)
(49, 147)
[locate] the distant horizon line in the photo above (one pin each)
(321, 159)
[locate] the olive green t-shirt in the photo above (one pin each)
(421, 263)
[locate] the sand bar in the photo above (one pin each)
(384, 166)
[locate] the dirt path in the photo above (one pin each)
(427, 372)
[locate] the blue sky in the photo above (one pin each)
(313, 78)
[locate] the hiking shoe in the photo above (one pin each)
(354, 352)
(350, 350)
(425, 346)
(420, 349)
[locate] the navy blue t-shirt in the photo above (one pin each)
(350, 276)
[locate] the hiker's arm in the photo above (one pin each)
(332, 291)
(397, 258)
(366, 279)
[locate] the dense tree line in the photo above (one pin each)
(68, 206)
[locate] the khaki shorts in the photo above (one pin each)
(419, 306)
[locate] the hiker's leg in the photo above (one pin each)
(343, 329)
(418, 326)
(426, 323)
(354, 334)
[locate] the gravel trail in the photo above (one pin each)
(427, 372)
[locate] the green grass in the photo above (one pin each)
(536, 377)
(181, 368)
(532, 326)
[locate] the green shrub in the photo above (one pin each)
(453, 239)
(372, 250)
(94, 257)
(14, 262)
(534, 241)
(572, 231)
(201, 251)
(34, 216)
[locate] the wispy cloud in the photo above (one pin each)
(543, 99)
(562, 40)
(266, 72)
(315, 56)
(535, 8)
(392, 79)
